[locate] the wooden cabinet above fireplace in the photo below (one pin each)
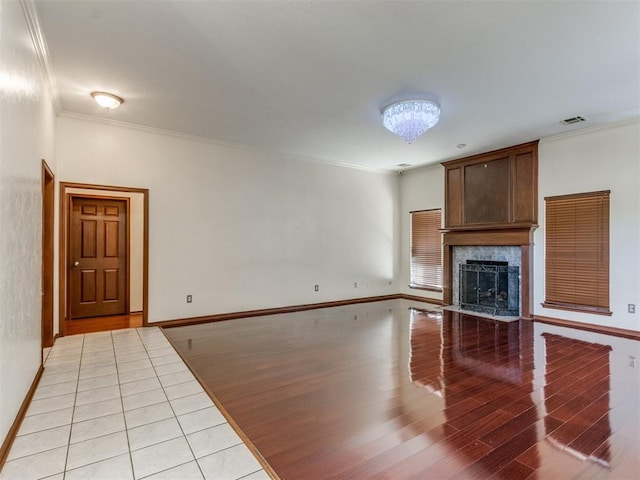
(495, 189)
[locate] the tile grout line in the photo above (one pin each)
(66, 460)
(87, 348)
(107, 434)
(90, 419)
(144, 343)
(242, 442)
(80, 356)
(45, 413)
(245, 476)
(167, 469)
(124, 417)
(197, 410)
(184, 435)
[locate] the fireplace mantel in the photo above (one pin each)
(494, 235)
(513, 235)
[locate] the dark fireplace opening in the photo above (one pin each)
(491, 287)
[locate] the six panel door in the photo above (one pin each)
(98, 257)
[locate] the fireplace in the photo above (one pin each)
(491, 200)
(482, 275)
(507, 245)
(490, 286)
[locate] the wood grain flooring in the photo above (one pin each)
(389, 391)
(102, 324)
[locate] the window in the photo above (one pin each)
(577, 252)
(426, 250)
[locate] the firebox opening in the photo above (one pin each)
(490, 286)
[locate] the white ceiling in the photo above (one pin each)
(309, 78)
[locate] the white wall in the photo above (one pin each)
(420, 189)
(591, 160)
(240, 229)
(27, 135)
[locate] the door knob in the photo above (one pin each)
(76, 264)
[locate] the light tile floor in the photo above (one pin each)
(123, 405)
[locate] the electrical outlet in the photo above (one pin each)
(631, 308)
(316, 288)
(189, 298)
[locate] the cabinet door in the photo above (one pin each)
(486, 192)
(525, 182)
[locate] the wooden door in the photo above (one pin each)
(97, 257)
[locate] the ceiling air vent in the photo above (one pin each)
(572, 120)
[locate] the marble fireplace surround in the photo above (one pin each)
(461, 253)
(519, 238)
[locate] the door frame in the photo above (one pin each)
(48, 252)
(63, 252)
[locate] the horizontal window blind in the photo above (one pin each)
(577, 251)
(426, 249)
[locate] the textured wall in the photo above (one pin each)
(26, 137)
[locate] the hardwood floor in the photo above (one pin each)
(382, 390)
(102, 324)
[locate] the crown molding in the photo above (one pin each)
(213, 141)
(42, 52)
(590, 129)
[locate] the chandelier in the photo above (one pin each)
(411, 118)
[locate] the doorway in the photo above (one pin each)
(103, 257)
(48, 211)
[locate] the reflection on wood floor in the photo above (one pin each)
(393, 390)
(102, 324)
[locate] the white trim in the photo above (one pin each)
(42, 51)
(212, 141)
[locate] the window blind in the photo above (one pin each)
(426, 249)
(577, 252)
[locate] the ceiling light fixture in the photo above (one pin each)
(411, 118)
(107, 100)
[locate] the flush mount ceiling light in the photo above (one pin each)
(107, 100)
(411, 118)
